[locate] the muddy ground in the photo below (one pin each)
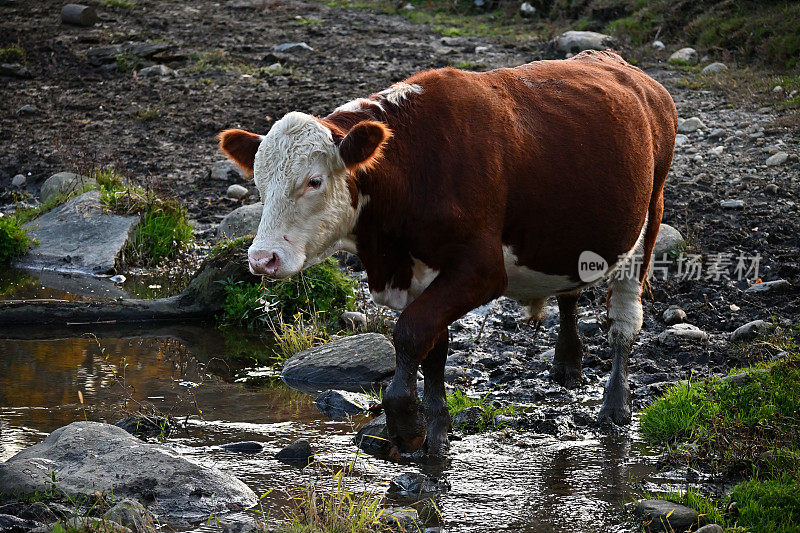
(161, 131)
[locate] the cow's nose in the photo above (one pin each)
(266, 263)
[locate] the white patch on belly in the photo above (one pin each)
(526, 285)
(398, 299)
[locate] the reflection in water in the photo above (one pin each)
(499, 483)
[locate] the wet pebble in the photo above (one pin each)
(661, 515)
(298, 453)
(732, 203)
(416, 485)
(682, 332)
(247, 446)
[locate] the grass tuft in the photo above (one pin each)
(14, 239)
(13, 53)
(768, 506)
(458, 401)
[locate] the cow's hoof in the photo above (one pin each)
(437, 447)
(567, 376)
(617, 414)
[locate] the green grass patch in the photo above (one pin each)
(681, 413)
(707, 510)
(14, 239)
(13, 53)
(465, 65)
(148, 113)
(458, 401)
(118, 3)
(768, 506)
(226, 245)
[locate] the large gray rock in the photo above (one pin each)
(353, 362)
(749, 331)
(79, 235)
(89, 457)
(572, 42)
(340, 403)
(661, 515)
(64, 183)
(240, 222)
(669, 241)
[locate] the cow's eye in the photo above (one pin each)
(315, 183)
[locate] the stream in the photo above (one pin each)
(509, 480)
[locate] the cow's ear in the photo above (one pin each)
(363, 145)
(241, 147)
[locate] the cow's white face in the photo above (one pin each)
(303, 178)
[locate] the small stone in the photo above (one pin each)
(298, 453)
(15, 70)
(589, 327)
(78, 15)
(658, 45)
(777, 159)
(771, 188)
(119, 278)
(749, 331)
(732, 203)
(578, 41)
(416, 486)
(340, 403)
(769, 286)
(481, 49)
(293, 47)
(669, 241)
(527, 10)
(681, 140)
(409, 7)
(690, 124)
(660, 515)
(403, 518)
(225, 171)
(237, 192)
(688, 55)
(353, 321)
(679, 332)
(717, 150)
(717, 133)
(777, 89)
(710, 528)
(27, 109)
(674, 315)
(131, 514)
(19, 180)
(155, 70)
(469, 418)
(247, 446)
(714, 68)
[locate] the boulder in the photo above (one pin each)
(661, 515)
(373, 437)
(64, 183)
(682, 332)
(572, 42)
(684, 55)
(240, 222)
(298, 453)
(89, 457)
(79, 235)
(352, 363)
(749, 331)
(715, 68)
(668, 241)
(340, 403)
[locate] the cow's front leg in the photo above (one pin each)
(434, 399)
(418, 333)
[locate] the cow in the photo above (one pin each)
(457, 187)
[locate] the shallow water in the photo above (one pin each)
(505, 481)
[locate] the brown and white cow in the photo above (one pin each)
(457, 187)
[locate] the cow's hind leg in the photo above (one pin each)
(566, 368)
(625, 316)
(434, 400)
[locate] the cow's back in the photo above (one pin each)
(561, 154)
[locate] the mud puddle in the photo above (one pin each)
(504, 481)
